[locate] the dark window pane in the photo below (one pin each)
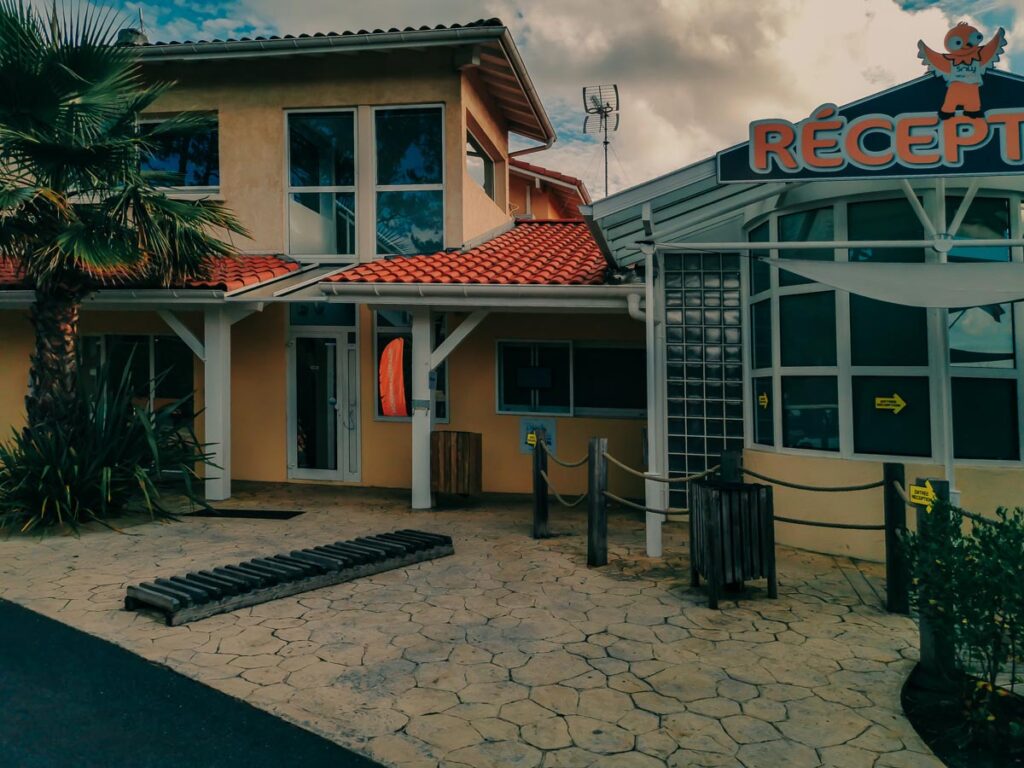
(191, 160)
(981, 336)
(764, 412)
(410, 222)
(810, 412)
(610, 378)
(90, 361)
(130, 354)
(172, 362)
(760, 273)
(985, 419)
(409, 145)
(884, 220)
(321, 149)
(761, 333)
(807, 326)
(321, 313)
(891, 415)
(516, 377)
(322, 223)
(803, 227)
(556, 396)
(316, 423)
(887, 334)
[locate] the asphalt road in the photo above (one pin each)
(70, 699)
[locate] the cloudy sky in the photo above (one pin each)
(691, 73)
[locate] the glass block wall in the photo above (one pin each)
(704, 361)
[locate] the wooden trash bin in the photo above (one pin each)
(732, 535)
(456, 462)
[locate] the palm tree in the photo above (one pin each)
(76, 210)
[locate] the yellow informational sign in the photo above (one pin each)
(531, 439)
(762, 399)
(923, 495)
(894, 403)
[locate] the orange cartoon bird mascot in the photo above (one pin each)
(963, 66)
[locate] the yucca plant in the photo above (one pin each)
(76, 210)
(106, 456)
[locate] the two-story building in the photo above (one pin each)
(374, 172)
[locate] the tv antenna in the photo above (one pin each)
(601, 103)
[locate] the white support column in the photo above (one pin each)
(422, 343)
(217, 401)
(652, 490)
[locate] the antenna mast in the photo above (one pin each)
(601, 103)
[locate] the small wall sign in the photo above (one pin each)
(530, 427)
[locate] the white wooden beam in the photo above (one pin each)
(456, 337)
(217, 401)
(182, 332)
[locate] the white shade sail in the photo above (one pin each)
(917, 285)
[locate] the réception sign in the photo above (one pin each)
(962, 118)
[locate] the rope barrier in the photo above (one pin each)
(901, 492)
(642, 508)
(843, 526)
(647, 476)
(569, 464)
(558, 496)
(822, 488)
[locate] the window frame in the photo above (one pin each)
(104, 338)
(478, 150)
(396, 331)
(378, 188)
(186, 191)
(938, 365)
(574, 411)
(289, 189)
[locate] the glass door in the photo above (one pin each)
(323, 423)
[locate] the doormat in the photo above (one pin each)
(252, 514)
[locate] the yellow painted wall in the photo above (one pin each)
(543, 204)
(250, 98)
(16, 343)
(982, 488)
(483, 119)
(473, 393)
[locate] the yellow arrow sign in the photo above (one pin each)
(894, 403)
(762, 399)
(923, 495)
(531, 438)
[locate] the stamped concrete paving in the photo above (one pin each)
(511, 653)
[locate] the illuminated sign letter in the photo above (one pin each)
(910, 143)
(853, 141)
(819, 138)
(959, 133)
(1010, 122)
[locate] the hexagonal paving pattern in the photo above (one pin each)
(512, 652)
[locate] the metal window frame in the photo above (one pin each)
(434, 187)
(407, 330)
(938, 368)
(489, 164)
(289, 189)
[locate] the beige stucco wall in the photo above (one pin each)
(251, 97)
(982, 490)
(16, 342)
(543, 204)
(483, 119)
(473, 393)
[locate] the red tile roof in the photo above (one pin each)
(533, 252)
(540, 171)
(226, 274)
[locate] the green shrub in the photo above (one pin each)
(969, 585)
(109, 457)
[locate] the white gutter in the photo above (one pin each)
(470, 291)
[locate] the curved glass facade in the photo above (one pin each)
(843, 375)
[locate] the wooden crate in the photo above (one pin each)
(456, 462)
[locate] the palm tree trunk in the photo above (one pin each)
(53, 374)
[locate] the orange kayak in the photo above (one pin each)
(392, 379)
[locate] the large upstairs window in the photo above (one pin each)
(409, 179)
(322, 185)
(187, 160)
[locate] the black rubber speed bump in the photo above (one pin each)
(199, 594)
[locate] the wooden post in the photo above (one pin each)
(597, 503)
(897, 596)
(540, 488)
(730, 467)
(937, 654)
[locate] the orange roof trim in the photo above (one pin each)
(551, 252)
